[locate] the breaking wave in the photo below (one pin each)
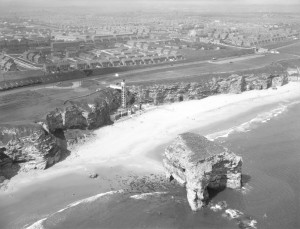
(40, 224)
(250, 125)
(144, 196)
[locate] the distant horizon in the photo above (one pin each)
(106, 6)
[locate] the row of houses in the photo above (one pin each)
(246, 37)
(21, 45)
(34, 56)
(7, 64)
(105, 63)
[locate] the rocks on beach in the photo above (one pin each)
(199, 164)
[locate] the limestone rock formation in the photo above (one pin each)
(89, 112)
(279, 80)
(175, 92)
(198, 164)
(29, 144)
(258, 81)
(233, 84)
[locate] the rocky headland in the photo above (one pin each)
(42, 143)
(198, 164)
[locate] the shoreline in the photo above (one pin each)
(127, 148)
(215, 109)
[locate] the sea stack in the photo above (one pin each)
(198, 163)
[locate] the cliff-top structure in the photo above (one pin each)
(198, 163)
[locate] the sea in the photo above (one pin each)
(268, 140)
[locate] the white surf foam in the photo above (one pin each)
(242, 220)
(233, 213)
(249, 125)
(39, 224)
(144, 196)
(218, 206)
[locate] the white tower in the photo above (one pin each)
(123, 87)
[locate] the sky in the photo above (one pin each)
(97, 2)
(127, 4)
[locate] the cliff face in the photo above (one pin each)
(29, 144)
(198, 164)
(169, 93)
(233, 84)
(88, 112)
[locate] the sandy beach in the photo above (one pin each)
(125, 148)
(128, 141)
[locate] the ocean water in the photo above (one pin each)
(269, 143)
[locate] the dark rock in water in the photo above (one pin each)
(30, 144)
(198, 164)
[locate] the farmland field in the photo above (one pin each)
(291, 49)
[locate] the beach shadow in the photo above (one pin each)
(8, 168)
(63, 145)
(245, 179)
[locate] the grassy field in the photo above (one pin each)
(201, 71)
(281, 44)
(292, 49)
(30, 106)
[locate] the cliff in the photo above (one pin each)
(89, 112)
(176, 92)
(29, 144)
(198, 164)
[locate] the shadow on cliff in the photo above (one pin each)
(212, 193)
(62, 143)
(8, 168)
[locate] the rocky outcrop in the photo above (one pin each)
(233, 84)
(169, 93)
(29, 144)
(258, 82)
(176, 92)
(279, 80)
(199, 164)
(89, 112)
